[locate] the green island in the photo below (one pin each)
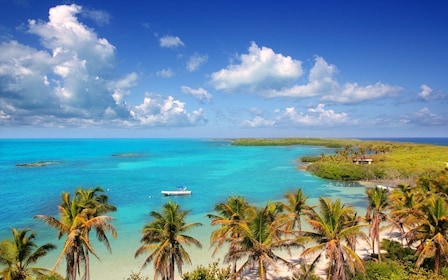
(39, 163)
(127, 155)
(365, 160)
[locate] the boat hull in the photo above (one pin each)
(175, 193)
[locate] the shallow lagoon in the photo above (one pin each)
(212, 169)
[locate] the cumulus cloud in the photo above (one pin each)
(353, 93)
(195, 62)
(200, 93)
(67, 83)
(290, 117)
(320, 82)
(425, 93)
(260, 68)
(157, 111)
(122, 87)
(272, 75)
(171, 42)
(323, 84)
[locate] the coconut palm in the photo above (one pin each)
(164, 238)
(94, 204)
(330, 226)
(259, 237)
(378, 202)
(19, 254)
(295, 207)
(77, 218)
(94, 199)
(229, 214)
(405, 202)
(433, 232)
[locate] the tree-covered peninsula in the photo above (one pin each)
(355, 160)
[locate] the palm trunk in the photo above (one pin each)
(87, 272)
(171, 272)
(262, 269)
(75, 265)
(372, 237)
(438, 260)
(378, 243)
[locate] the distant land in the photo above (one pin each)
(389, 161)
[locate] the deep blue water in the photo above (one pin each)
(212, 169)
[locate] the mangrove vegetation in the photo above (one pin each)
(356, 160)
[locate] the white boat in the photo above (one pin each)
(180, 191)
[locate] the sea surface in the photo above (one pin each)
(134, 171)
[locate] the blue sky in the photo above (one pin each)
(223, 68)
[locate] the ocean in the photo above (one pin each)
(133, 172)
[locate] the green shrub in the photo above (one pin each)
(212, 272)
(382, 271)
(51, 277)
(137, 276)
(338, 171)
(395, 270)
(309, 158)
(395, 251)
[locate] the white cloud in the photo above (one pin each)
(121, 88)
(290, 117)
(260, 68)
(4, 116)
(425, 93)
(425, 117)
(69, 38)
(353, 93)
(320, 82)
(156, 111)
(23, 79)
(195, 62)
(165, 73)
(200, 93)
(171, 42)
(100, 17)
(68, 82)
(257, 121)
(271, 75)
(314, 116)
(328, 116)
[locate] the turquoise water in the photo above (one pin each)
(212, 169)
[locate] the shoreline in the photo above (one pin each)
(138, 193)
(121, 268)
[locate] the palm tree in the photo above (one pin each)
(378, 202)
(433, 232)
(17, 255)
(259, 238)
(405, 203)
(229, 214)
(331, 226)
(94, 204)
(96, 200)
(295, 206)
(77, 218)
(164, 239)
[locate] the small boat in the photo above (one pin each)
(181, 190)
